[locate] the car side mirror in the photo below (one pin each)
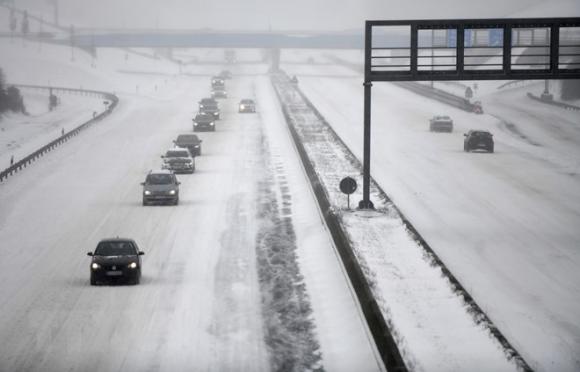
(162, 156)
(464, 134)
(142, 183)
(178, 183)
(141, 253)
(90, 254)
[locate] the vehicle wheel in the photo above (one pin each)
(145, 203)
(199, 152)
(93, 281)
(491, 150)
(213, 129)
(176, 201)
(195, 129)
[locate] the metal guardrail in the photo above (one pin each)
(563, 105)
(23, 163)
(437, 94)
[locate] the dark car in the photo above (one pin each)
(441, 123)
(190, 142)
(161, 187)
(247, 105)
(209, 106)
(204, 122)
(116, 259)
(478, 140)
(179, 160)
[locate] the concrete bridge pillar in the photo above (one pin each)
(275, 59)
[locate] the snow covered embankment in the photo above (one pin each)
(27, 160)
(433, 326)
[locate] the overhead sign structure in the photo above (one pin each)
(465, 49)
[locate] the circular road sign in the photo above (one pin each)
(348, 185)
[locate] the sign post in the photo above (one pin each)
(348, 186)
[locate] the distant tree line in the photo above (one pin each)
(10, 97)
(570, 90)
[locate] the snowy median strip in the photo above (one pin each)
(435, 326)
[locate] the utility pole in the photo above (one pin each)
(72, 43)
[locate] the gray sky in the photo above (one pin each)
(275, 14)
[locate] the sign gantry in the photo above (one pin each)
(465, 49)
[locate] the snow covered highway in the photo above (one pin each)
(505, 224)
(467, 263)
(199, 304)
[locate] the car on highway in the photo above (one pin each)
(217, 81)
(204, 122)
(178, 160)
(161, 186)
(478, 140)
(441, 123)
(116, 259)
(247, 105)
(209, 106)
(189, 141)
(219, 92)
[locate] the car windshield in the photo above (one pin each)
(159, 179)
(481, 134)
(203, 117)
(177, 154)
(187, 138)
(115, 249)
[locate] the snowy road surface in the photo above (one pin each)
(505, 224)
(198, 306)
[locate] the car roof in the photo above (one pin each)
(117, 239)
(178, 148)
(161, 171)
(479, 131)
(247, 100)
(188, 136)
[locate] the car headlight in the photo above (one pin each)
(242, 107)
(133, 265)
(196, 146)
(211, 123)
(172, 192)
(194, 124)
(147, 192)
(200, 106)
(95, 266)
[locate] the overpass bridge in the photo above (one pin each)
(217, 39)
